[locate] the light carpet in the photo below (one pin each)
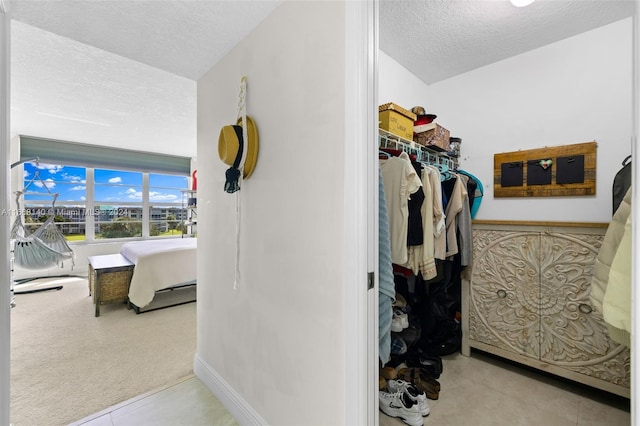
(67, 364)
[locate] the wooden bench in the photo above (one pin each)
(109, 279)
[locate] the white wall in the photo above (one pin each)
(573, 91)
(276, 341)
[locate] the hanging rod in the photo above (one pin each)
(34, 159)
(421, 152)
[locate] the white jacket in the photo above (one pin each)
(616, 307)
(608, 250)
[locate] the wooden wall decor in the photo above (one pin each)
(559, 171)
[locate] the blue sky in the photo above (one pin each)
(112, 186)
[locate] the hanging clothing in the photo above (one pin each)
(616, 305)
(621, 183)
(415, 230)
(465, 233)
(386, 287)
(439, 219)
(421, 258)
(608, 249)
(454, 206)
(400, 180)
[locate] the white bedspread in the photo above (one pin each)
(159, 264)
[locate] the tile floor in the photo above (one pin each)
(480, 390)
(484, 390)
(187, 403)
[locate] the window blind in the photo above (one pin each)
(52, 151)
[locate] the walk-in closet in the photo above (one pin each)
(496, 182)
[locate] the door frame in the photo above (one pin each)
(5, 278)
(361, 213)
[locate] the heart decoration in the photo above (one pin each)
(546, 163)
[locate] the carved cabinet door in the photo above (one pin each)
(573, 334)
(505, 291)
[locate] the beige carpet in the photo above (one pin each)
(67, 364)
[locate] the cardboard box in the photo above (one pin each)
(396, 120)
(436, 138)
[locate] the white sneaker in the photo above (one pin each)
(399, 404)
(416, 395)
(396, 324)
(400, 320)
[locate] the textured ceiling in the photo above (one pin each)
(183, 37)
(438, 39)
(63, 89)
(123, 73)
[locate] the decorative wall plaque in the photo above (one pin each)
(567, 170)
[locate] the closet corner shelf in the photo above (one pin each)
(422, 153)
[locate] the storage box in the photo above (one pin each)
(396, 120)
(436, 138)
(109, 279)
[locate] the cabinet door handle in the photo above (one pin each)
(584, 308)
(501, 294)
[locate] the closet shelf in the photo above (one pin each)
(422, 153)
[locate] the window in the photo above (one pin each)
(118, 204)
(165, 204)
(59, 191)
(97, 204)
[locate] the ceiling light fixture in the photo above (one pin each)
(521, 3)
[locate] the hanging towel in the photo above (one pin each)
(386, 286)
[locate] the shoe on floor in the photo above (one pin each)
(399, 405)
(433, 365)
(402, 317)
(400, 301)
(422, 380)
(398, 346)
(411, 334)
(388, 373)
(396, 325)
(416, 395)
(382, 383)
(400, 320)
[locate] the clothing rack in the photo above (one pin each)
(422, 153)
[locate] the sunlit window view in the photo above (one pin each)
(93, 204)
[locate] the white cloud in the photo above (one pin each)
(51, 168)
(49, 182)
(116, 179)
(72, 178)
(78, 188)
(133, 194)
(157, 196)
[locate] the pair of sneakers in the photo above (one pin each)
(400, 320)
(405, 401)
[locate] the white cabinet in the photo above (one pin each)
(527, 298)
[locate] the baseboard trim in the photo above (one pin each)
(232, 401)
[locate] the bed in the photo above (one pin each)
(159, 265)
